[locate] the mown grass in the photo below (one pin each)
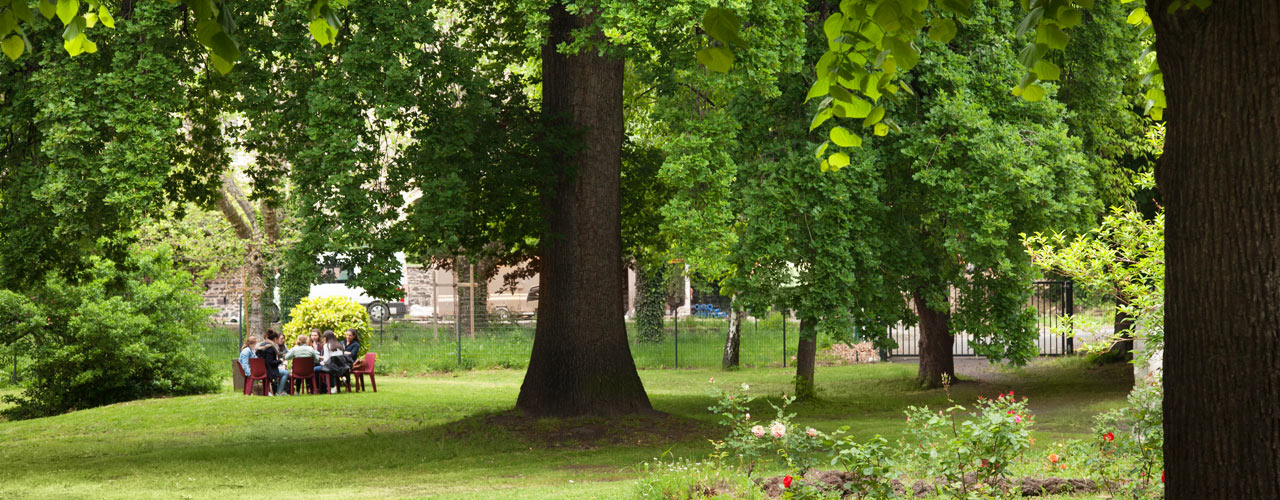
(428, 437)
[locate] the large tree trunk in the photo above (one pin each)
(733, 339)
(806, 357)
(1220, 180)
(936, 342)
(581, 362)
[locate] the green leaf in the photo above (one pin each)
(222, 65)
(819, 118)
(104, 15)
(47, 9)
(1031, 19)
(723, 25)
(1032, 53)
(1139, 15)
(961, 8)
(67, 10)
(7, 21)
(819, 89)
(717, 59)
(225, 47)
(839, 160)
(12, 47)
(881, 129)
(822, 149)
(844, 138)
(1088, 4)
(75, 46)
(888, 15)
(1053, 36)
(1046, 70)
(22, 11)
(205, 31)
(1068, 17)
(903, 53)
(832, 27)
(874, 116)
(942, 30)
(1033, 93)
(321, 31)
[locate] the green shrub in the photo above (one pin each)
(1130, 443)
(118, 333)
(329, 313)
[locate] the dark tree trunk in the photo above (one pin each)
(733, 339)
(1123, 323)
(806, 358)
(936, 342)
(581, 362)
(1220, 180)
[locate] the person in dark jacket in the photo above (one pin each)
(269, 352)
(352, 348)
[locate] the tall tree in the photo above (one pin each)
(1219, 176)
(581, 362)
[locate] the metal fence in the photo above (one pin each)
(1052, 300)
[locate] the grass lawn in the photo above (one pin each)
(435, 437)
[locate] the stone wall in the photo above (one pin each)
(223, 295)
(418, 286)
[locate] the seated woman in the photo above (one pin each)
(246, 353)
(269, 351)
(352, 349)
(303, 349)
(334, 360)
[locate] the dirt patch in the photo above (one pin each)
(584, 433)
(833, 481)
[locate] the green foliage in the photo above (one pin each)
(1129, 443)
(328, 313)
(689, 480)
(1123, 258)
(121, 332)
(872, 463)
(986, 445)
(86, 157)
(751, 442)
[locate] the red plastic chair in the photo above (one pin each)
(369, 358)
(257, 371)
(304, 372)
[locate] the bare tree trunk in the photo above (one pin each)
(581, 362)
(1220, 179)
(734, 338)
(936, 342)
(806, 358)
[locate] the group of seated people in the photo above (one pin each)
(332, 357)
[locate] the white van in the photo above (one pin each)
(333, 282)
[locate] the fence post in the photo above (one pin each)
(784, 338)
(676, 318)
(1069, 289)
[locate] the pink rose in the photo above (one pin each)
(812, 432)
(778, 430)
(758, 431)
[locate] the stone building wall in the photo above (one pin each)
(418, 286)
(223, 295)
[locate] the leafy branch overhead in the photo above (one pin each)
(871, 43)
(215, 25)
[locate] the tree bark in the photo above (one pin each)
(936, 342)
(1220, 180)
(734, 338)
(581, 362)
(806, 358)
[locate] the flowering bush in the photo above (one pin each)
(1130, 443)
(986, 445)
(328, 313)
(750, 441)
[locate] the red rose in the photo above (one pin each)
(786, 482)
(1109, 436)
(984, 463)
